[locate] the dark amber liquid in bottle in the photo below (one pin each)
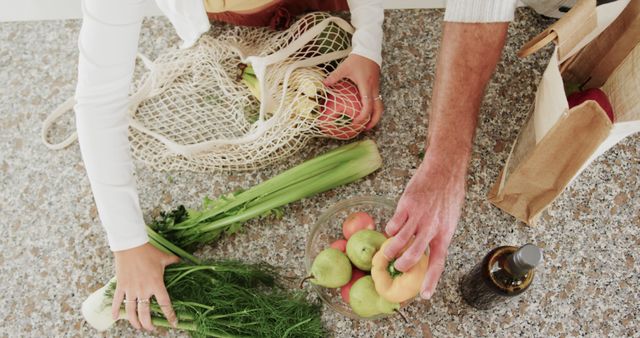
(491, 282)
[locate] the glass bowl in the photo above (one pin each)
(328, 228)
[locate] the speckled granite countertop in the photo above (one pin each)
(54, 253)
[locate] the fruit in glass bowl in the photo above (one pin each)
(329, 229)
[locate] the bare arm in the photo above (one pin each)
(468, 56)
(431, 204)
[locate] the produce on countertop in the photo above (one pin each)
(331, 269)
(331, 39)
(364, 250)
(355, 275)
(180, 227)
(221, 299)
(335, 107)
(342, 105)
(340, 244)
(250, 80)
(332, 109)
(393, 285)
(355, 222)
(366, 302)
(576, 95)
(190, 228)
(595, 94)
(362, 246)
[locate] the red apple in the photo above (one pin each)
(355, 222)
(341, 106)
(340, 244)
(344, 290)
(594, 94)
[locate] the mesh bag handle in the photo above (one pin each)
(67, 106)
(48, 122)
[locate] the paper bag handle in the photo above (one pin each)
(566, 32)
(537, 43)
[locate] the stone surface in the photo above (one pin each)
(54, 252)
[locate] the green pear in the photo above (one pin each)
(362, 246)
(388, 307)
(331, 269)
(366, 302)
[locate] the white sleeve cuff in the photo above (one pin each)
(189, 18)
(367, 17)
(474, 11)
(120, 244)
(371, 55)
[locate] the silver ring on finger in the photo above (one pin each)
(365, 97)
(143, 301)
(130, 301)
(378, 98)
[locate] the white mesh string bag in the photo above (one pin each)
(243, 100)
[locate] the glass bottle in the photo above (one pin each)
(505, 272)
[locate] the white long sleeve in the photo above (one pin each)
(367, 17)
(480, 10)
(188, 17)
(108, 43)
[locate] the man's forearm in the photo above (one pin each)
(468, 56)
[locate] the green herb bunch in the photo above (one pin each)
(234, 299)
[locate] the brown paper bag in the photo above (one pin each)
(597, 46)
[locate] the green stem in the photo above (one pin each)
(334, 177)
(197, 305)
(202, 267)
(181, 316)
(232, 314)
(184, 325)
(160, 242)
(187, 272)
(300, 173)
(163, 322)
(286, 333)
(159, 246)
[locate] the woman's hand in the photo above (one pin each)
(429, 209)
(365, 73)
(140, 276)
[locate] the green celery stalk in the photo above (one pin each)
(340, 166)
(328, 180)
(164, 245)
(302, 172)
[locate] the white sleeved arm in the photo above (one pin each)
(108, 44)
(480, 10)
(188, 17)
(367, 17)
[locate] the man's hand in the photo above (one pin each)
(365, 73)
(429, 209)
(430, 206)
